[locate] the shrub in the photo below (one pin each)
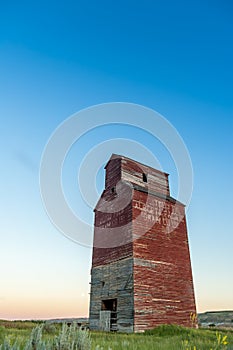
(35, 340)
(69, 338)
(168, 330)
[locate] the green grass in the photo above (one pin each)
(161, 338)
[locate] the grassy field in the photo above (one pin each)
(23, 335)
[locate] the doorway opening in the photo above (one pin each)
(110, 305)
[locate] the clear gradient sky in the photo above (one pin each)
(57, 58)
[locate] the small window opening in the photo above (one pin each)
(113, 190)
(103, 283)
(144, 177)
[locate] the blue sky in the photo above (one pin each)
(57, 58)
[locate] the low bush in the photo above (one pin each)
(69, 338)
(168, 330)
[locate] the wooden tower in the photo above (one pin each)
(141, 273)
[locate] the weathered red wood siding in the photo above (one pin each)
(163, 285)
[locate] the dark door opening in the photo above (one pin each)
(111, 305)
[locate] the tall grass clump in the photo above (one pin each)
(71, 338)
(220, 343)
(68, 338)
